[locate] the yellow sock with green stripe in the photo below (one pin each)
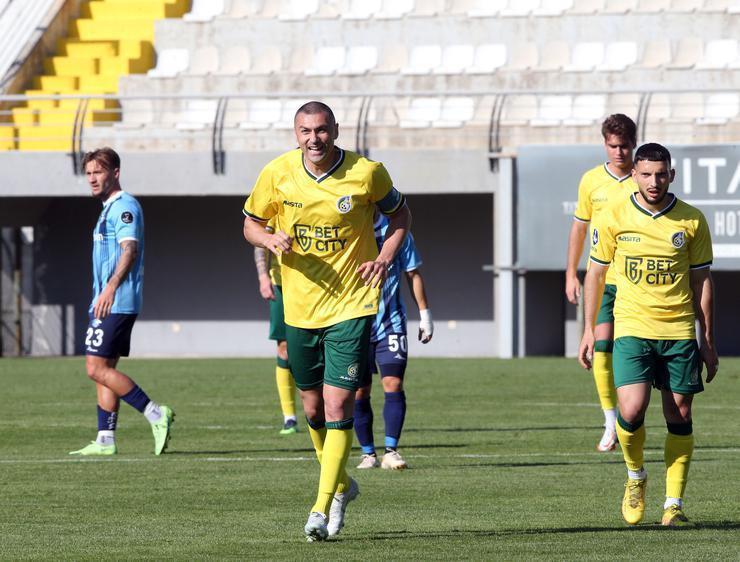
(604, 374)
(632, 440)
(318, 437)
(286, 389)
(334, 457)
(679, 446)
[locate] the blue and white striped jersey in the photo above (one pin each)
(391, 318)
(121, 219)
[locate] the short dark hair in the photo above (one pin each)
(620, 125)
(653, 152)
(106, 157)
(314, 107)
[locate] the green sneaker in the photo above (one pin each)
(96, 449)
(290, 427)
(161, 429)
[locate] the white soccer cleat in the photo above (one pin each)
(315, 528)
(339, 506)
(393, 461)
(608, 440)
(369, 461)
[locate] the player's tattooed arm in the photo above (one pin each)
(262, 262)
(129, 253)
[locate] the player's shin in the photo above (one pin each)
(286, 389)
(679, 447)
(364, 425)
(336, 451)
(632, 441)
(317, 431)
(394, 414)
(604, 375)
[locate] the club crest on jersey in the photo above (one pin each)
(127, 217)
(301, 236)
(344, 204)
(678, 239)
(595, 237)
(632, 269)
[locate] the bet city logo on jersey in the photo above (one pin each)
(655, 271)
(320, 238)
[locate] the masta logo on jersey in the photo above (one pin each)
(678, 239)
(344, 204)
(127, 217)
(595, 237)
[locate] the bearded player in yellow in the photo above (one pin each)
(661, 250)
(600, 187)
(324, 199)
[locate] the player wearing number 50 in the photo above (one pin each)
(661, 251)
(389, 350)
(118, 277)
(324, 199)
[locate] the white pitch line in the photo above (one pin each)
(179, 458)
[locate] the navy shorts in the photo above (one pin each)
(110, 337)
(389, 356)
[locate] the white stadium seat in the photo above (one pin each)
(361, 9)
(488, 58)
(587, 7)
(170, 63)
(395, 9)
(360, 60)
(204, 61)
(552, 7)
(455, 59)
(519, 8)
(297, 10)
(720, 108)
(197, 115)
(204, 10)
(585, 57)
(686, 5)
(327, 61)
(619, 55)
(552, 110)
(587, 109)
(262, 113)
(455, 112)
(519, 110)
(718, 54)
(235, 60)
(486, 8)
(423, 59)
(688, 53)
(652, 6)
(421, 113)
(554, 56)
(287, 114)
(619, 6)
(656, 53)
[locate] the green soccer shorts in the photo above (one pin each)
(606, 309)
(673, 365)
(335, 355)
(277, 315)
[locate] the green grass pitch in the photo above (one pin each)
(503, 466)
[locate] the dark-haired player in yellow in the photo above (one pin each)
(661, 251)
(324, 198)
(600, 187)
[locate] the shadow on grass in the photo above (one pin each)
(307, 450)
(618, 461)
(497, 429)
(471, 533)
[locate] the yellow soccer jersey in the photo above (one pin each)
(274, 271)
(651, 255)
(330, 219)
(598, 189)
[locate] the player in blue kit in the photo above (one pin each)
(118, 277)
(389, 349)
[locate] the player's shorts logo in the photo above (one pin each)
(344, 204)
(595, 237)
(678, 239)
(632, 269)
(301, 236)
(127, 217)
(96, 322)
(352, 371)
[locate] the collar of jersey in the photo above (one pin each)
(660, 213)
(330, 171)
(608, 171)
(112, 198)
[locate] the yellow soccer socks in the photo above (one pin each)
(286, 390)
(604, 378)
(679, 446)
(632, 439)
(333, 458)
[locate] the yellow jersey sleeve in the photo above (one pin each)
(603, 241)
(583, 207)
(700, 246)
(261, 203)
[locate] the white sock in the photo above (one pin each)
(637, 474)
(152, 412)
(610, 418)
(673, 501)
(289, 418)
(106, 437)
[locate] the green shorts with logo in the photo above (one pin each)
(606, 310)
(277, 315)
(673, 365)
(335, 355)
